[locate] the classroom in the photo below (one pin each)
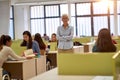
(60, 39)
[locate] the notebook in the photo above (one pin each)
(29, 53)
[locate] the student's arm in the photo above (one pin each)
(13, 55)
(35, 47)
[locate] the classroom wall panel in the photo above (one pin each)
(4, 17)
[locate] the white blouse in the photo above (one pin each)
(7, 52)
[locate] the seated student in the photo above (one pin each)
(104, 42)
(6, 51)
(53, 38)
(45, 37)
(42, 45)
(31, 44)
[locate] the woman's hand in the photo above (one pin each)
(29, 57)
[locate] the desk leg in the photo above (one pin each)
(53, 59)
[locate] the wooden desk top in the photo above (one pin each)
(52, 52)
(1, 69)
(53, 75)
(21, 61)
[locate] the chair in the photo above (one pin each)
(6, 77)
(42, 52)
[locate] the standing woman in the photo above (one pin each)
(64, 36)
(42, 45)
(31, 44)
(6, 51)
(104, 42)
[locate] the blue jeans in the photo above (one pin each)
(5, 72)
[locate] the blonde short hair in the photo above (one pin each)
(65, 15)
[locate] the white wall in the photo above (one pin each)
(4, 17)
(21, 16)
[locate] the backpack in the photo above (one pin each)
(76, 43)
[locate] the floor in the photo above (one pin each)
(52, 75)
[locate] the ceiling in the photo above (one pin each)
(30, 2)
(33, 2)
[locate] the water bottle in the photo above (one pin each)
(48, 48)
(92, 39)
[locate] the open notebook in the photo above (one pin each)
(29, 53)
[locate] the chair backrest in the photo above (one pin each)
(116, 66)
(6, 77)
(53, 46)
(118, 47)
(42, 52)
(82, 39)
(17, 48)
(85, 64)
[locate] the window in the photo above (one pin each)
(83, 22)
(63, 9)
(46, 18)
(100, 8)
(52, 19)
(83, 9)
(100, 16)
(100, 22)
(37, 12)
(73, 18)
(83, 26)
(52, 11)
(112, 24)
(37, 26)
(86, 18)
(11, 27)
(118, 10)
(37, 20)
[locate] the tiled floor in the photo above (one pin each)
(52, 75)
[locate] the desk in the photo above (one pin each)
(88, 47)
(52, 75)
(40, 64)
(24, 69)
(52, 56)
(0, 73)
(78, 49)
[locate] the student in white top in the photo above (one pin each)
(6, 51)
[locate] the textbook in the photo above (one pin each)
(29, 53)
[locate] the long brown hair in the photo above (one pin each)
(40, 41)
(24, 43)
(3, 40)
(1, 45)
(104, 41)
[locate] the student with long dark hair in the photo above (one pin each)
(38, 38)
(6, 51)
(42, 45)
(104, 42)
(31, 44)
